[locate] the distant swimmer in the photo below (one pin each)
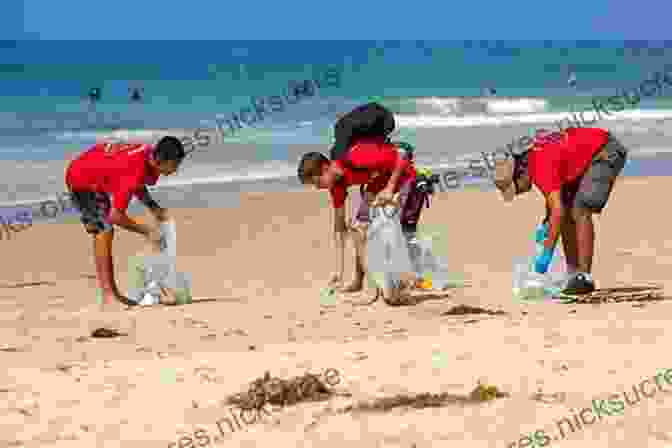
(135, 94)
(488, 91)
(572, 80)
(94, 94)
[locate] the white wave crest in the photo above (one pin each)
(480, 105)
(437, 121)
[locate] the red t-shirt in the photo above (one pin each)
(118, 169)
(553, 163)
(379, 159)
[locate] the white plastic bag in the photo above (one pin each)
(529, 285)
(387, 249)
(149, 291)
(431, 266)
(148, 273)
(169, 238)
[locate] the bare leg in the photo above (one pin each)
(569, 243)
(102, 249)
(585, 238)
(359, 240)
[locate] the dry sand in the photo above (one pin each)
(263, 265)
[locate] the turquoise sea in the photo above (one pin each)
(452, 99)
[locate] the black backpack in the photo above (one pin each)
(366, 121)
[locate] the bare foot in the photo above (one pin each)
(115, 302)
(167, 297)
(355, 286)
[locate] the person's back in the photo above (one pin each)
(370, 162)
(105, 166)
(368, 121)
(557, 161)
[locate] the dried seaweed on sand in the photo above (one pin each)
(617, 295)
(480, 394)
(461, 310)
(276, 391)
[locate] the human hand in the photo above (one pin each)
(155, 238)
(386, 196)
(542, 232)
(336, 280)
(160, 214)
(543, 261)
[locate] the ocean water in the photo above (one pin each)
(441, 92)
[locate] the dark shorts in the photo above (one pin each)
(411, 203)
(592, 190)
(95, 208)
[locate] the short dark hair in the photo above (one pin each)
(169, 148)
(311, 165)
(520, 164)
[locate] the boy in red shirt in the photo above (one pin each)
(389, 178)
(575, 173)
(103, 180)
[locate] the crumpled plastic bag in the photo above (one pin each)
(153, 277)
(433, 268)
(387, 249)
(148, 274)
(529, 285)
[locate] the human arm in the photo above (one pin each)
(400, 165)
(339, 244)
(119, 217)
(388, 192)
(542, 229)
(159, 213)
(555, 212)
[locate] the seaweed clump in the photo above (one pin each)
(279, 392)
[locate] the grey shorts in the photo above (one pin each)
(592, 190)
(95, 208)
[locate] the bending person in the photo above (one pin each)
(102, 181)
(575, 171)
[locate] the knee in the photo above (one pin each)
(91, 229)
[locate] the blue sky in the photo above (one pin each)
(344, 19)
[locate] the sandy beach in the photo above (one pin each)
(257, 273)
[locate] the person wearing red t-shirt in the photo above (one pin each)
(389, 178)
(103, 180)
(575, 172)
